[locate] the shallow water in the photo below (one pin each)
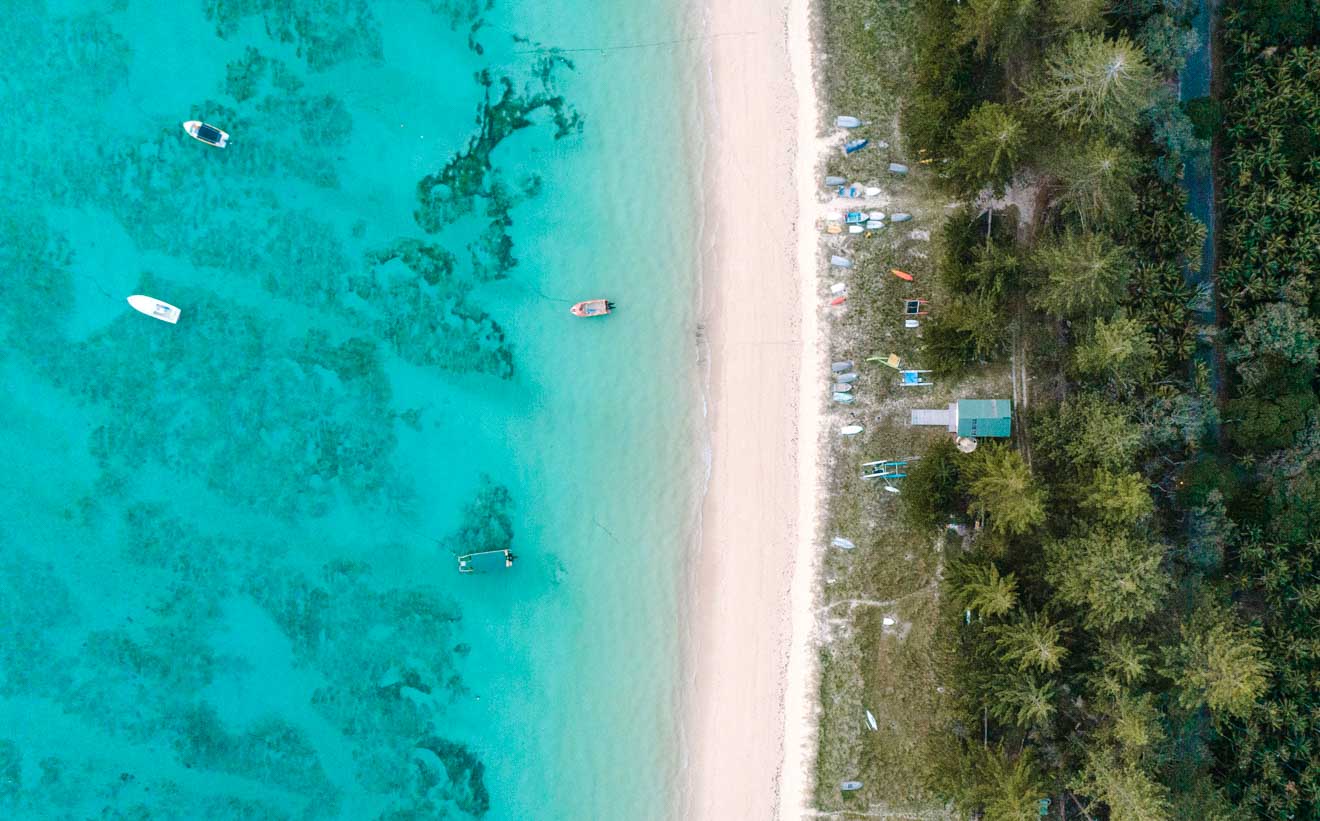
(228, 585)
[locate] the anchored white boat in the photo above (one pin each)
(153, 307)
(208, 134)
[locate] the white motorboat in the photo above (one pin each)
(208, 134)
(153, 307)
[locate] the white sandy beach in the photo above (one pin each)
(749, 718)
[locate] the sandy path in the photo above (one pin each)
(750, 574)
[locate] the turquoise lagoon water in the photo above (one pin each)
(227, 576)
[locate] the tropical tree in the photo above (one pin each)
(1117, 499)
(1089, 432)
(1219, 662)
(1123, 664)
(972, 330)
(1085, 273)
(1031, 643)
(1022, 700)
(1280, 329)
(1093, 82)
(1096, 182)
(1003, 25)
(1003, 489)
(1116, 350)
(980, 588)
(1133, 725)
(1010, 788)
(1167, 43)
(990, 143)
(1114, 577)
(1128, 791)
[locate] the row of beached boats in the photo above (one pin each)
(843, 373)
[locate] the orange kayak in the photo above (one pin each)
(901, 274)
(838, 300)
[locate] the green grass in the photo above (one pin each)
(865, 665)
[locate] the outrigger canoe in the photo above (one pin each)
(593, 307)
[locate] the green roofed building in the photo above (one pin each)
(976, 418)
(985, 417)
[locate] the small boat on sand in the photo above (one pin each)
(153, 307)
(842, 543)
(843, 398)
(872, 191)
(900, 217)
(842, 366)
(870, 721)
(855, 217)
(874, 225)
(901, 274)
(839, 300)
(208, 134)
(875, 215)
(849, 786)
(846, 378)
(850, 430)
(897, 168)
(855, 229)
(844, 121)
(834, 181)
(834, 228)
(592, 307)
(853, 146)
(840, 262)
(843, 387)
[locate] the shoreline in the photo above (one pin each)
(746, 725)
(800, 706)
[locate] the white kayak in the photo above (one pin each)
(153, 307)
(870, 721)
(847, 122)
(873, 191)
(842, 543)
(850, 430)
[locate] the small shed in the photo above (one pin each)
(985, 417)
(970, 417)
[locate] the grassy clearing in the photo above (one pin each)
(894, 572)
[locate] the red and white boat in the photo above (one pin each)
(208, 134)
(593, 307)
